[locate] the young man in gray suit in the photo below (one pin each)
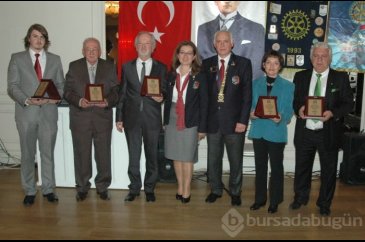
(36, 119)
(91, 122)
(140, 117)
(248, 36)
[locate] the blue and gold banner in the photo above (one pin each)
(291, 29)
(346, 35)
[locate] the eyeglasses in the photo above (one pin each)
(186, 53)
(143, 44)
(91, 50)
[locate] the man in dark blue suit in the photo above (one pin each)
(248, 36)
(323, 134)
(230, 95)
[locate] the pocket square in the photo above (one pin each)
(335, 90)
(245, 41)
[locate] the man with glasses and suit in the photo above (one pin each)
(91, 122)
(140, 116)
(322, 134)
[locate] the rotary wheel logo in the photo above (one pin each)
(357, 12)
(295, 25)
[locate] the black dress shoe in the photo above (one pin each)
(212, 197)
(51, 197)
(185, 199)
(28, 200)
(81, 196)
(236, 200)
(104, 195)
(256, 206)
(272, 208)
(150, 197)
(324, 211)
(295, 205)
(131, 196)
(178, 196)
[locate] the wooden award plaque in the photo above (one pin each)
(47, 90)
(94, 93)
(151, 87)
(314, 107)
(267, 107)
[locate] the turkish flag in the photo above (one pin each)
(168, 21)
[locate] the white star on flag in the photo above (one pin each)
(157, 35)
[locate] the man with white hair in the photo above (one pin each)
(322, 134)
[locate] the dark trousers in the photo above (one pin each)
(234, 144)
(305, 153)
(134, 140)
(82, 139)
(263, 151)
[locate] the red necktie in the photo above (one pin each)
(221, 73)
(37, 67)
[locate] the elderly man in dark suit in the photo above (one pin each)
(323, 134)
(91, 122)
(140, 116)
(248, 36)
(36, 118)
(230, 95)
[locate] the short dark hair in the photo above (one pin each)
(42, 30)
(275, 54)
(195, 66)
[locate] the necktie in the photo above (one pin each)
(143, 71)
(225, 21)
(318, 88)
(221, 73)
(92, 74)
(37, 67)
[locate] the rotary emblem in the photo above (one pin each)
(295, 25)
(357, 12)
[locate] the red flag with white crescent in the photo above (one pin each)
(168, 21)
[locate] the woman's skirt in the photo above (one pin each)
(180, 145)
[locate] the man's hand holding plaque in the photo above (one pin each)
(267, 107)
(45, 93)
(314, 107)
(94, 94)
(151, 87)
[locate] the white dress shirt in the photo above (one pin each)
(310, 124)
